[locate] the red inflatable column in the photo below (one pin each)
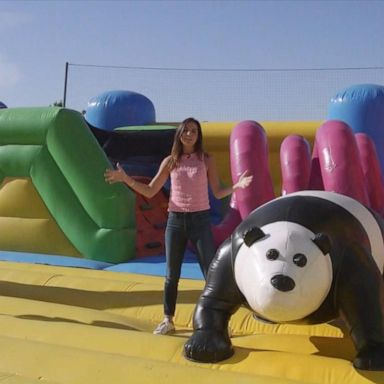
(295, 163)
(370, 165)
(249, 151)
(339, 160)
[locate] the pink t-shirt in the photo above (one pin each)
(189, 185)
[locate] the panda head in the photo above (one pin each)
(284, 270)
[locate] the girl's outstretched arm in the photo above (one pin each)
(117, 175)
(213, 177)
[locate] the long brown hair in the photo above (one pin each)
(177, 147)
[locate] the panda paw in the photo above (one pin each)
(370, 358)
(208, 346)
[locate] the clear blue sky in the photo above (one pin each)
(39, 37)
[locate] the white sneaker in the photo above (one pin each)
(166, 327)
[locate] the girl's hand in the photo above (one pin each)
(244, 180)
(112, 176)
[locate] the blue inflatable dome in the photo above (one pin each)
(2, 105)
(115, 109)
(362, 108)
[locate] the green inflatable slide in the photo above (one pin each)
(53, 197)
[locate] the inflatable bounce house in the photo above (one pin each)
(298, 275)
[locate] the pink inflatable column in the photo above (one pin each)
(370, 165)
(231, 220)
(249, 151)
(315, 179)
(339, 160)
(295, 163)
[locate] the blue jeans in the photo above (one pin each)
(181, 227)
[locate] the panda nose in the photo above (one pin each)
(282, 283)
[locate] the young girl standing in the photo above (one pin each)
(191, 170)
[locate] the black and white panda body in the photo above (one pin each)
(307, 257)
(297, 222)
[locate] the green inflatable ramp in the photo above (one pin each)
(53, 197)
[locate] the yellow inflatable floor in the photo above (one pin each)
(68, 325)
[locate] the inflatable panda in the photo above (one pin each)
(307, 257)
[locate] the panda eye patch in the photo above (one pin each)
(272, 254)
(300, 260)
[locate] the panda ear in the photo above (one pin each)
(252, 235)
(323, 242)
